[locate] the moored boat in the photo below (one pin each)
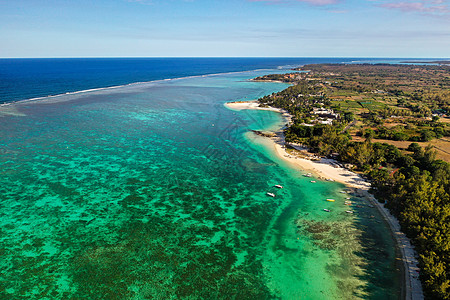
(270, 194)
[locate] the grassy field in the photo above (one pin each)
(442, 146)
(395, 102)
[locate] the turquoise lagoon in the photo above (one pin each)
(157, 191)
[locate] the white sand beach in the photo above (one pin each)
(239, 105)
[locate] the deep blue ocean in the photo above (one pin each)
(40, 77)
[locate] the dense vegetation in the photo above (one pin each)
(391, 102)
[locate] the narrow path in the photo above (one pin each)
(413, 286)
(348, 126)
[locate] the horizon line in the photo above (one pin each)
(359, 57)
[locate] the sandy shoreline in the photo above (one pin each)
(240, 105)
(329, 169)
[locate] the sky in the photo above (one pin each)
(225, 28)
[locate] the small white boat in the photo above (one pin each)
(343, 192)
(278, 186)
(313, 181)
(270, 194)
(349, 211)
(348, 198)
(327, 210)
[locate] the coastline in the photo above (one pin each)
(323, 169)
(329, 169)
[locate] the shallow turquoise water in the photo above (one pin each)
(157, 191)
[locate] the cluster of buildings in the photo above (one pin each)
(294, 76)
(324, 115)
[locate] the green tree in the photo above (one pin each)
(348, 116)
